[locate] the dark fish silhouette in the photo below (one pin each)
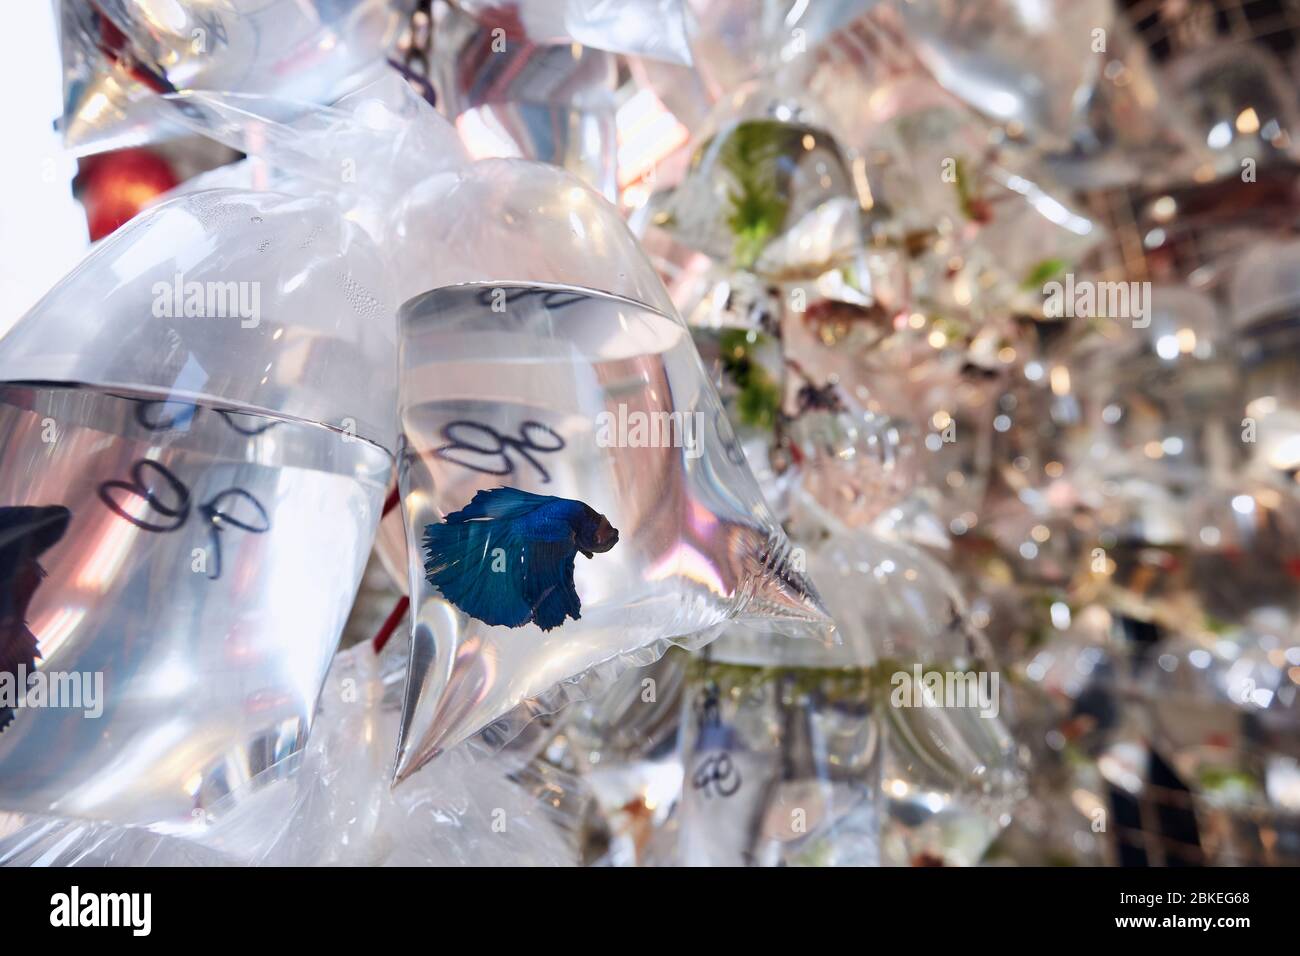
(25, 534)
(507, 557)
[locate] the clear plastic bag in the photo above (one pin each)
(567, 424)
(1031, 66)
(547, 101)
(364, 154)
(736, 40)
(120, 55)
(536, 238)
(198, 436)
(338, 809)
(650, 28)
(782, 768)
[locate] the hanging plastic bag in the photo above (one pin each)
(526, 339)
(574, 495)
(527, 445)
(800, 734)
(549, 101)
(197, 438)
(650, 28)
(120, 55)
(364, 154)
(736, 40)
(1031, 66)
(769, 190)
(782, 767)
(338, 809)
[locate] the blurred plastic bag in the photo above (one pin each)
(849, 713)
(1131, 129)
(736, 40)
(27, 840)
(119, 55)
(197, 438)
(1005, 216)
(952, 771)
(552, 102)
(338, 809)
(651, 28)
(364, 154)
(782, 768)
(1027, 64)
(769, 190)
(1264, 296)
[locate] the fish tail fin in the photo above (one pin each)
(550, 585)
(473, 564)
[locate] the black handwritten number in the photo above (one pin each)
(717, 774)
(154, 416)
(163, 421)
(177, 511)
(251, 431)
(176, 506)
(553, 299)
(477, 439)
(218, 520)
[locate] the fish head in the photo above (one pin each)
(595, 535)
(27, 532)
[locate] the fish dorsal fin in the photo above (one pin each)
(500, 504)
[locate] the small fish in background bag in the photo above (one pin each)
(574, 496)
(196, 436)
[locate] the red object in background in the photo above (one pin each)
(390, 623)
(115, 186)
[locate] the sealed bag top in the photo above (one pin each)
(251, 300)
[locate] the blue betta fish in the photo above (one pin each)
(507, 557)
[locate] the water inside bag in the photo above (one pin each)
(209, 561)
(561, 391)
